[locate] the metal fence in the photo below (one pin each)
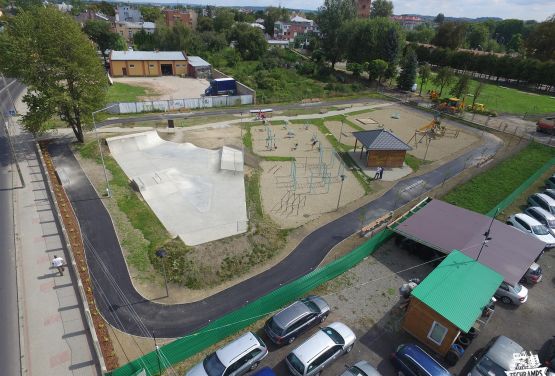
(180, 104)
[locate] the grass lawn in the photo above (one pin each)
(414, 163)
(119, 92)
(503, 100)
(483, 192)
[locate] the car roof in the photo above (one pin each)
(502, 350)
(541, 211)
(548, 199)
(367, 368)
(313, 347)
(423, 358)
(526, 218)
(266, 371)
(241, 345)
(286, 316)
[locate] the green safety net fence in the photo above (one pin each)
(524, 186)
(233, 322)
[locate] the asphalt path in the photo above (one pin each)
(124, 308)
(9, 323)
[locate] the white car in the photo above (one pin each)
(508, 294)
(527, 224)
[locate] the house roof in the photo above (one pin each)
(147, 55)
(379, 139)
(458, 289)
(445, 227)
(196, 61)
(301, 19)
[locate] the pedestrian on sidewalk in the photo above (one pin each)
(59, 263)
(381, 173)
(377, 174)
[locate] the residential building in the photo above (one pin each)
(128, 14)
(128, 29)
(363, 8)
(147, 63)
(278, 43)
(258, 26)
(408, 22)
(88, 15)
(178, 16)
(63, 7)
(297, 26)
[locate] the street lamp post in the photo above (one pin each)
(487, 236)
(340, 190)
(108, 192)
(161, 253)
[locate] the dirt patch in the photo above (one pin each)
(342, 132)
(167, 87)
(209, 138)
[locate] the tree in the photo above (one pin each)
(504, 30)
(331, 17)
(516, 44)
(461, 87)
(100, 32)
(381, 8)
(425, 72)
(47, 51)
(377, 69)
(150, 14)
(439, 18)
(249, 41)
(273, 15)
(421, 34)
(444, 77)
(407, 78)
(541, 41)
(205, 24)
(106, 8)
(477, 35)
(450, 35)
(477, 91)
(356, 68)
(224, 19)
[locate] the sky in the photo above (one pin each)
(522, 9)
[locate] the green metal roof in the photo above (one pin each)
(458, 289)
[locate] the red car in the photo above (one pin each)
(546, 125)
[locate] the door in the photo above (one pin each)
(167, 69)
(124, 71)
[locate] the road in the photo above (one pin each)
(9, 323)
(128, 311)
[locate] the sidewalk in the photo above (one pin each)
(54, 338)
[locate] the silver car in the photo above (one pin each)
(508, 294)
(362, 368)
(496, 357)
(234, 359)
(543, 201)
(543, 216)
(317, 352)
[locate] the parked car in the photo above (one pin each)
(234, 359)
(285, 326)
(265, 371)
(543, 201)
(543, 216)
(550, 192)
(362, 368)
(547, 354)
(529, 225)
(550, 183)
(495, 358)
(320, 350)
(411, 360)
(508, 294)
(546, 125)
(533, 274)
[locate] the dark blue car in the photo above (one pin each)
(411, 360)
(266, 371)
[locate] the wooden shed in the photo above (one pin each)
(383, 148)
(147, 63)
(450, 301)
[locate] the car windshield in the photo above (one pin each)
(354, 370)
(517, 288)
(311, 305)
(296, 363)
(275, 327)
(488, 367)
(540, 230)
(551, 223)
(213, 366)
(335, 337)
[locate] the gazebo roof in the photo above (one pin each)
(379, 139)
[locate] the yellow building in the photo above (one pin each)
(147, 63)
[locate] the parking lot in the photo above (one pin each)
(366, 299)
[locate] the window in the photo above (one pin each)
(131, 65)
(151, 65)
(437, 333)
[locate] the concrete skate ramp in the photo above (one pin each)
(198, 194)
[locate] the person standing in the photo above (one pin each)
(381, 173)
(59, 263)
(377, 174)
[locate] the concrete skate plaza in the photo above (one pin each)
(198, 194)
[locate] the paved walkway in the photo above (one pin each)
(54, 336)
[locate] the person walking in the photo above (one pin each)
(59, 263)
(377, 174)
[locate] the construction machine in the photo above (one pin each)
(451, 105)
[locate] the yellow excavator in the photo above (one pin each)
(451, 105)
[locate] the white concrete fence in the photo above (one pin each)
(180, 104)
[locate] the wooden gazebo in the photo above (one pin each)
(383, 148)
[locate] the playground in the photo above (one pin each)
(305, 177)
(415, 128)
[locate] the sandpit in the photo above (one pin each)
(198, 194)
(295, 192)
(409, 120)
